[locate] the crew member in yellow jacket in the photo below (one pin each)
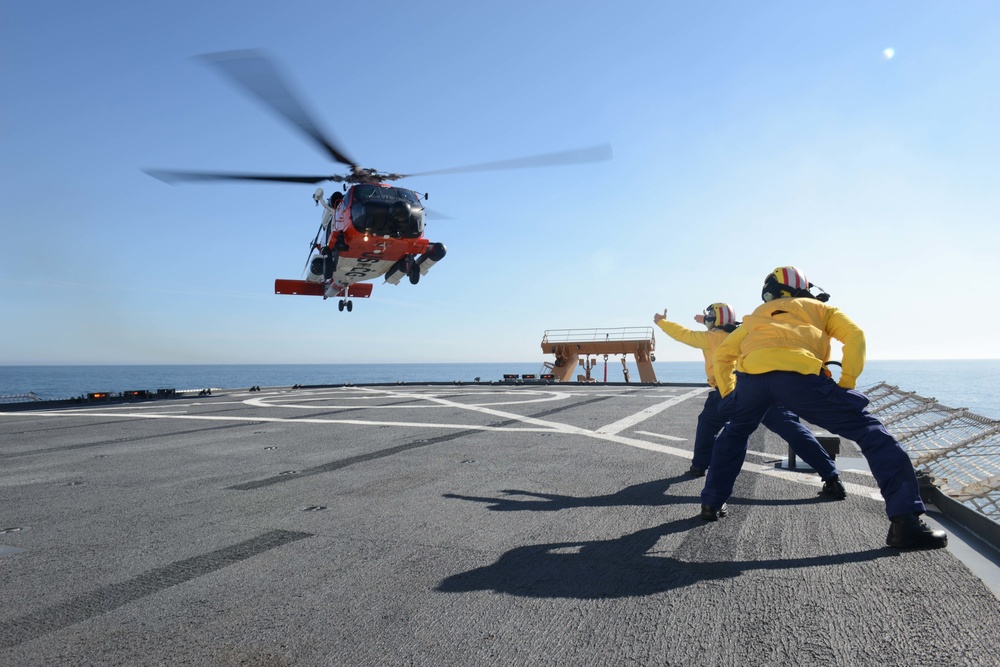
(779, 356)
(720, 320)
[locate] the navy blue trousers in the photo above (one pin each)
(783, 422)
(819, 401)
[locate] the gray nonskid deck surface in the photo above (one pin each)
(437, 525)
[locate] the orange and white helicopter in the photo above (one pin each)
(370, 229)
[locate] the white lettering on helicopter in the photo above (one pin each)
(369, 265)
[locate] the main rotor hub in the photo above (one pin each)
(366, 175)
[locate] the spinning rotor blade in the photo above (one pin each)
(578, 156)
(436, 215)
(308, 259)
(175, 176)
(312, 250)
(256, 74)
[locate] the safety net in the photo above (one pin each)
(958, 449)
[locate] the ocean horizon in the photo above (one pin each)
(971, 384)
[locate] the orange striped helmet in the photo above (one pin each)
(721, 316)
(785, 281)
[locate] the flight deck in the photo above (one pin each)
(453, 524)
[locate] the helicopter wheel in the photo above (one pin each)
(350, 306)
(340, 305)
(414, 274)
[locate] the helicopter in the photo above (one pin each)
(371, 228)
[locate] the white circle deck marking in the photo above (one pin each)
(432, 400)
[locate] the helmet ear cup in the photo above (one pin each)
(709, 317)
(771, 289)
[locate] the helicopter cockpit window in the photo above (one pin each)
(408, 195)
(366, 192)
(387, 211)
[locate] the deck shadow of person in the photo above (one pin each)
(620, 567)
(645, 494)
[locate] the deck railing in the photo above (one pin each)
(597, 335)
(30, 397)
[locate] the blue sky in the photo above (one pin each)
(746, 135)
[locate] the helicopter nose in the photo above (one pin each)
(399, 212)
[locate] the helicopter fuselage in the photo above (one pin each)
(382, 227)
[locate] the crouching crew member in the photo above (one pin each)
(778, 355)
(720, 319)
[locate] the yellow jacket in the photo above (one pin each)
(790, 335)
(706, 341)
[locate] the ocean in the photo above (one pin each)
(972, 384)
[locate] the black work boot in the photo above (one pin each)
(709, 513)
(908, 531)
(696, 472)
(834, 488)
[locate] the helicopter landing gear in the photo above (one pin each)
(345, 303)
(412, 270)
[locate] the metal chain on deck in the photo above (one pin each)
(958, 449)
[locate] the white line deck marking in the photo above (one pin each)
(662, 435)
(643, 415)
